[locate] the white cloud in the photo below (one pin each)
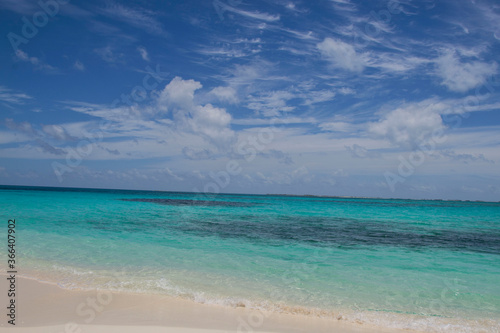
(319, 96)
(243, 75)
(144, 53)
(341, 55)
(107, 54)
(295, 51)
(178, 99)
(213, 123)
(79, 66)
(173, 120)
(179, 92)
(225, 94)
(228, 51)
(57, 132)
(207, 120)
(23, 56)
(347, 91)
(462, 76)
(173, 175)
(395, 63)
(36, 62)
(300, 35)
(410, 124)
(346, 2)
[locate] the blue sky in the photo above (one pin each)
(334, 97)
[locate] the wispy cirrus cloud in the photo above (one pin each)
(343, 5)
(36, 62)
(480, 16)
(136, 17)
(271, 104)
(248, 14)
(9, 96)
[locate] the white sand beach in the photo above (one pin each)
(47, 308)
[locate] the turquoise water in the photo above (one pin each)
(427, 265)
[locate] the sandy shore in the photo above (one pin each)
(43, 307)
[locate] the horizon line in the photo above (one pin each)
(2, 186)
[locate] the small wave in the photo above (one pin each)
(78, 279)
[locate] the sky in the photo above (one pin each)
(392, 99)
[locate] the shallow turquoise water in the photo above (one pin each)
(430, 265)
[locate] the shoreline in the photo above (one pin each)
(45, 307)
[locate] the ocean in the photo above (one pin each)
(427, 265)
